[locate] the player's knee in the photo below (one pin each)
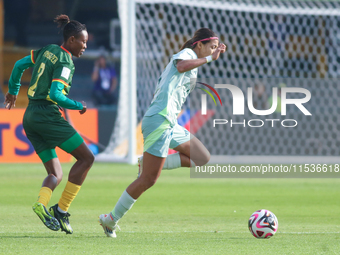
(206, 158)
(90, 159)
(203, 159)
(58, 176)
(149, 182)
(87, 159)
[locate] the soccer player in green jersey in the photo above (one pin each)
(45, 127)
(160, 128)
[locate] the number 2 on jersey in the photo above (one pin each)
(31, 90)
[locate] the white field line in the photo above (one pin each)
(217, 231)
(175, 232)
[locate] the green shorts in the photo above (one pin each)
(47, 129)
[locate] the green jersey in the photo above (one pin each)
(51, 78)
(51, 63)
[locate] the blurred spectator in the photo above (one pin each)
(105, 91)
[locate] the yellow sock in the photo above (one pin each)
(69, 193)
(44, 197)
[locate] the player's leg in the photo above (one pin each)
(152, 170)
(54, 176)
(54, 171)
(49, 158)
(157, 136)
(191, 151)
(56, 131)
(152, 166)
(84, 160)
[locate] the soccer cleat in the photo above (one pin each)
(62, 218)
(49, 221)
(109, 226)
(140, 166)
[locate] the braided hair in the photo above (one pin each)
(69, 27)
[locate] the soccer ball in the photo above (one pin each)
(263, 224)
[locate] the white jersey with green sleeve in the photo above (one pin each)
(173, 88)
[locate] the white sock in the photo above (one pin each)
(192, 163)
(172, 161)
(124, 204)
(62, 211)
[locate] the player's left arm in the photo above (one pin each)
(57, 95)
(15, 79)
(61, 78)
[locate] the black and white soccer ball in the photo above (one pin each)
(263, 224)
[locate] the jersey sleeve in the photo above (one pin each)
(56, 94)
(34, 55)
(61, 80)
(62, 73)
(184, 54)
(18, 69)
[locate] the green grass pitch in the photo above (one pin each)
(179, 215)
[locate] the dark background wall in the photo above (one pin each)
(34, 18)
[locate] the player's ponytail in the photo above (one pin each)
(188, 44)
(69, 27)
(62, 20)
(202, 35)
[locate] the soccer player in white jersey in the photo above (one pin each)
(160, 128)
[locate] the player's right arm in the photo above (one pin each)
(189, 64)
(15, 79)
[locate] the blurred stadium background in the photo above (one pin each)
(270, 43)
(27, 25)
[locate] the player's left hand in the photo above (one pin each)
(10, 101)
(84, 107)
(220, 49)
(223, 47)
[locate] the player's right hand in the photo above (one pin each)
(220, 49)
(84, 107)
(10, 101)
